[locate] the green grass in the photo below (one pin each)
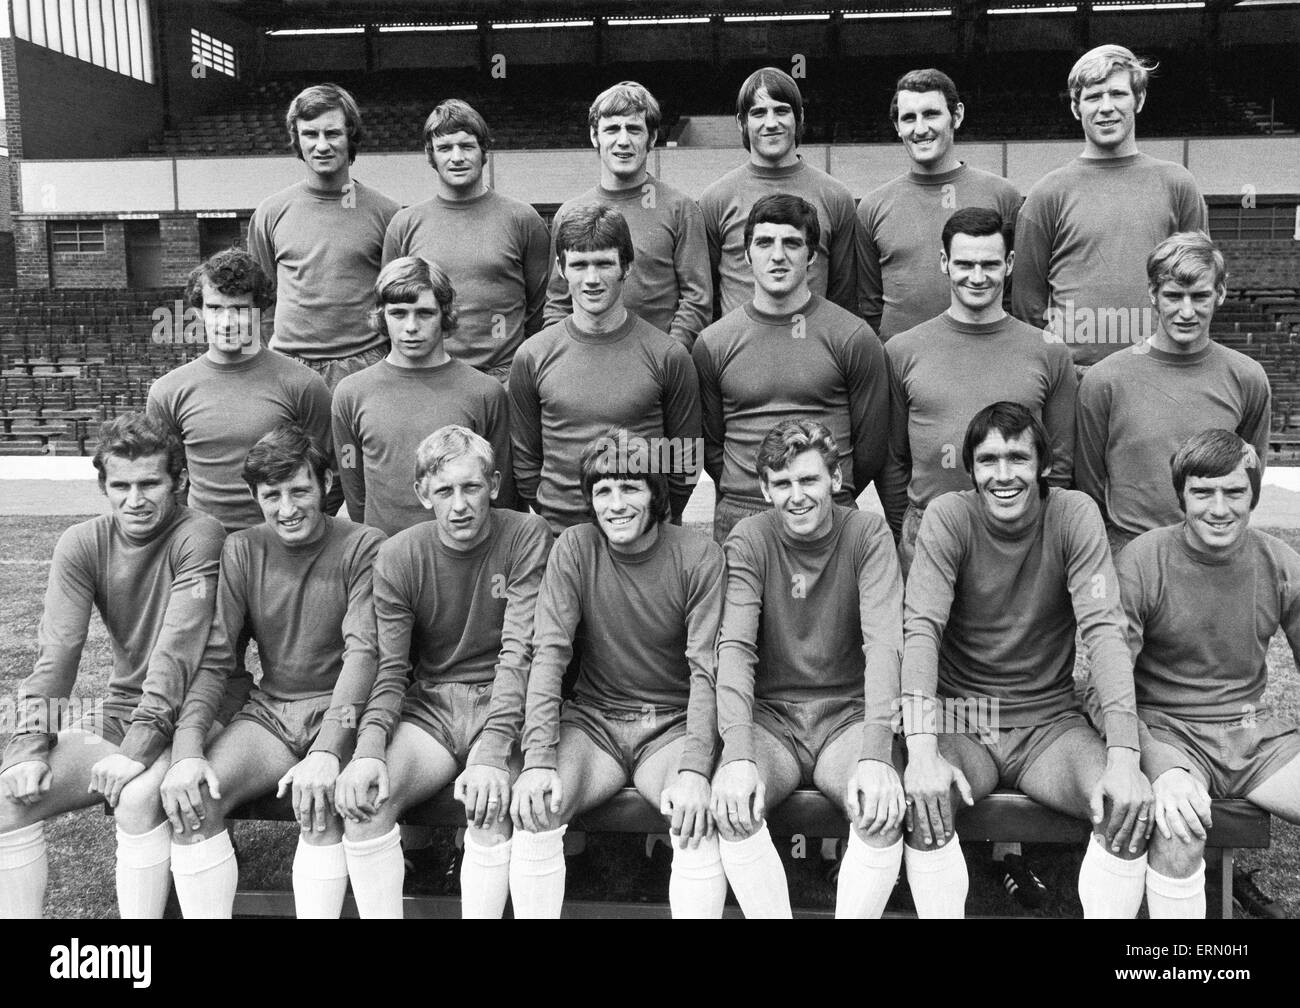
(81, 844)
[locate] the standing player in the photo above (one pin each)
(670, 287)
(149, 567)
(1203, 598)
(642, 599)
(382, 414)
(1136, 407)
(808, 667)
(322, 240)
(787, 352)
(218, 405)
(900, 222)
(301, 582)
(454, 600)
(495, 247)
(1082, 229)
(600, 366)
(1005, 576)
(769, 112)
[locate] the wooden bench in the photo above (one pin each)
(1002, 817)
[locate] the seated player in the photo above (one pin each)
(1204, 598)
(382, 414)
(454, 600)
(641, 599)
(149, 567)
(1003, 578)
(808, 666)
(302, 582)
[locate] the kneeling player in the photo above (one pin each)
(642, 597)
(150, 567)
(1200, 693)
(808, 667)
(302, 582)
(1003, 576)
(454, 600)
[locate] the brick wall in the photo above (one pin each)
(32, 251)
(1262, 263)
(180, 248)
(71, 269)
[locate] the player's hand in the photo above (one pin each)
(1182, 806)
(111, 774)
(875, 799)
(685, 803)
(1129, 791)
(312, 782)
(364, 776)
(26, 782)
(928, 781)
(182, 798)
(485, 792)
(739, 797)
(528, 805)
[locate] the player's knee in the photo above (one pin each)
(489, 835)
(881, 838)
(1176, 858)
(14, 815)
(735, 832)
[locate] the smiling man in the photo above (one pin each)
(1082, 229)
(149, 567)
(454, 601)
(640, 600)
(900, 223)
(769, 113)
(1208, 731)
(301, 582)
(493, 247)
(785, 353)
(1005, 576)
(1136, 407)
(382, 414)
(670, 287)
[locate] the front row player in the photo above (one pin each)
(150, 567)
(642, 599)
(454, 600)
(1206, 729)
(1003, 576)
(808, 670)
(302, 582)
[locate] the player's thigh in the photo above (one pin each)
(837, 763)
(972, 757)
(1280, 793)
(419, 766)
(659, 769)
(70, 763)
(779, 771)
(1064, 774)
(249, 761)
(139, 809)
(589, 776)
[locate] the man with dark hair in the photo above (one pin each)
(493, 247)
(644, 598)
(600, 366)
(382, 414)
(787, 352)
(808, 666)
(322, 240)
(899, 222)
(1004, 578)
(1083, 229)
(219, 404)
(149, 566)
(1136, 407)
(1204, 597)
(454, 601)
(301, 582)
(670, 287)
(769, 112)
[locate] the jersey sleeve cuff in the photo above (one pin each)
(188, 744)
(1122, 730)
(28, 747)
(738, 744)
(493, 750)
(877, 743)
(540, 759)
(698, 761)
(143, 743)
(372, 743)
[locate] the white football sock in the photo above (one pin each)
(938, 880)
(1109, 886)
(206, 876)
(1176, 898)
(378, 872)
(144, 873)
(757, 876)
(697, 887)
(320, 880)
(23, 871)
(484, 879)
(537, 874)
(867, 877)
